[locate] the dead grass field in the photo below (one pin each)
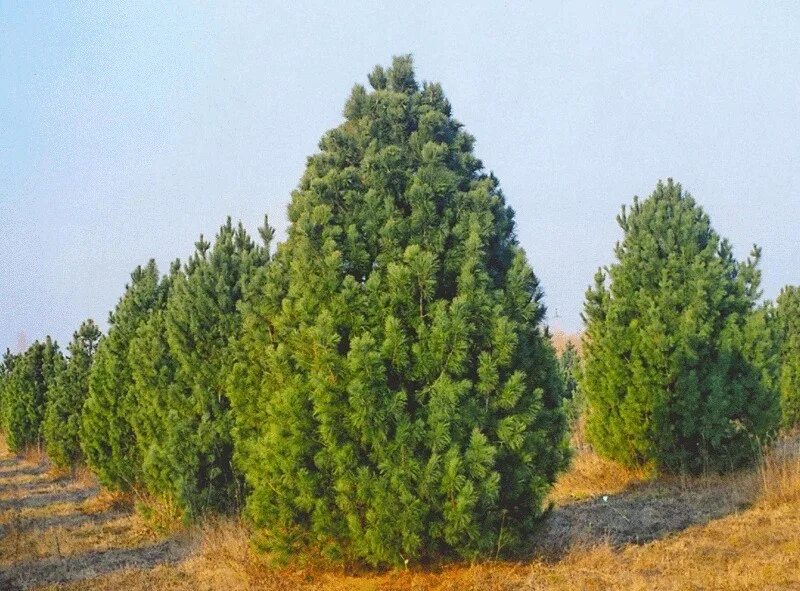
(609, 528)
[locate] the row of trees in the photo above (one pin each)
(158, 413)
(382, 388)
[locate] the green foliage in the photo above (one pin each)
(153, 373)
(26, 391)
(569, 365)
(395, 396)
(62, 417)
(6, 365)
(107, 435)
(675, 372)
(180, 360)
(788, 319)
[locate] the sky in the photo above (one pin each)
(127, 131)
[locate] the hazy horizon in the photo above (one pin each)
(125, 133)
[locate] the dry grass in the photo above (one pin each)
(32, 455)
(70, 540)
(591, 475)
(107, 501)
(756, 546)
(758, 549)
(161, 515)
(779, 475)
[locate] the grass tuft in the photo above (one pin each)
(779, 474)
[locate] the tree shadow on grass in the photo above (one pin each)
(639, 515)
(79, 567)
(74, 495)
(70, 520)
(60, 480)
(24, 471)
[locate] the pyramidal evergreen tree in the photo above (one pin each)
(153, 386)
(396, 397)
(569, 364)
(107, 436)
(788, 319)
(185, 350)
(675, 373)
(62, 417)
(6, 366)
(33, 374)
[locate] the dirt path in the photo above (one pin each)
(57, 530)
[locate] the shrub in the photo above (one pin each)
(674, 370)
(395, 395)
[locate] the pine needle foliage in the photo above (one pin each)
(569, 364)
(152, 390)
(6, 365)
(62, 417)
(396, 397)
(181, 361)
(107, 434)
(788, 317)
(677, 363)
(26, 391)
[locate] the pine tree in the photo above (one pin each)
(788, 318)
(185, 352)
(153, 375)
(33, 375)
(569, 367)
(672, 352)
(107, 435)
(6, 366)
(396, 397)
(62, 418)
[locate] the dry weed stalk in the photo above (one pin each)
(779, 473)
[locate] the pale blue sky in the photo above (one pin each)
(126, 132)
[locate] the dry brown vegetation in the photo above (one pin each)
(591, 475)
(560, 338)
(609, 528)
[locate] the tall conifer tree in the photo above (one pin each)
(107, 434)
(788, 315)
(6, 365)
(182, 361)
(569, 363)
(672, 353)
(62, 418)
(153, 374)
(34, 373)
(396, 397)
